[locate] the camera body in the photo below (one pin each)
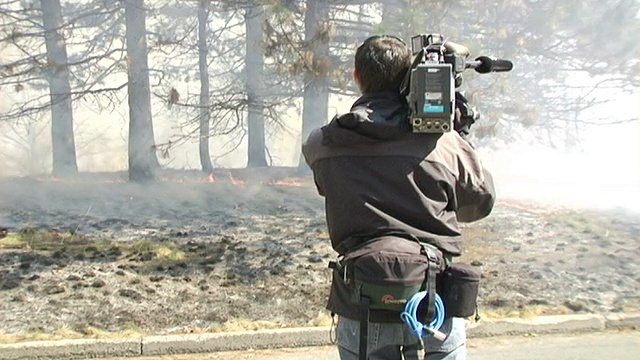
(432, 81)
(430, 84)
(432, 98)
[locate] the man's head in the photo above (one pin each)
(381, 63)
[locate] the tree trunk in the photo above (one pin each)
(143, 161)
(62, 137)
(205, 114)
(315, 104)
(254, 20)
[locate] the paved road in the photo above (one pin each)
(593, 346)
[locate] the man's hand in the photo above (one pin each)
(465, 115)
(457, 49)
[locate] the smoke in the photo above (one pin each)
(568, 179)
(602, 171)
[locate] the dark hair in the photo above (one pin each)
(381, 63)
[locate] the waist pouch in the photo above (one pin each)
(389, 271)
(458, 287)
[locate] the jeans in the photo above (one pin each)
(396, 342)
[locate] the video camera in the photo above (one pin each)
(430, 83)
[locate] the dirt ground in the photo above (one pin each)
(190, 253)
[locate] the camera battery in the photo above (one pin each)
(432, 98)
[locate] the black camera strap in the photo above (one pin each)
(365, 302)
(432, 257)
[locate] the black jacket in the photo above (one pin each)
(377, 177)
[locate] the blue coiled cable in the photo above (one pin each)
(410, 317)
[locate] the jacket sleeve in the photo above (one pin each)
(475, 191)
(310, 149)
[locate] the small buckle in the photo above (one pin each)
(431, 254)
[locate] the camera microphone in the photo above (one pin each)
(485, 64)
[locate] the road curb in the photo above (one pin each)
(71, 349)
(250, 340)
(539, 325)
(622, 321)
(289, 338)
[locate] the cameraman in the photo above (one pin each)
(377, 178)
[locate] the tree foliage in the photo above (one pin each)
(570, 57)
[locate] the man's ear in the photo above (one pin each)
(356, 76)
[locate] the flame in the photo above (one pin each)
(212, 178)
(235, 181)
(51, 179)
(289, 182)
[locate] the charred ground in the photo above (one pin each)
(97, 255)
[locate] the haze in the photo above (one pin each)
(534, 151)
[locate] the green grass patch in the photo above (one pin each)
(13, 241)
(69, 333)
(31, 239)
(526, 312)
(60, 244)
(63, 333)
(245, 325)
(148, 250)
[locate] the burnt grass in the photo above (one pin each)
(236, 251)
